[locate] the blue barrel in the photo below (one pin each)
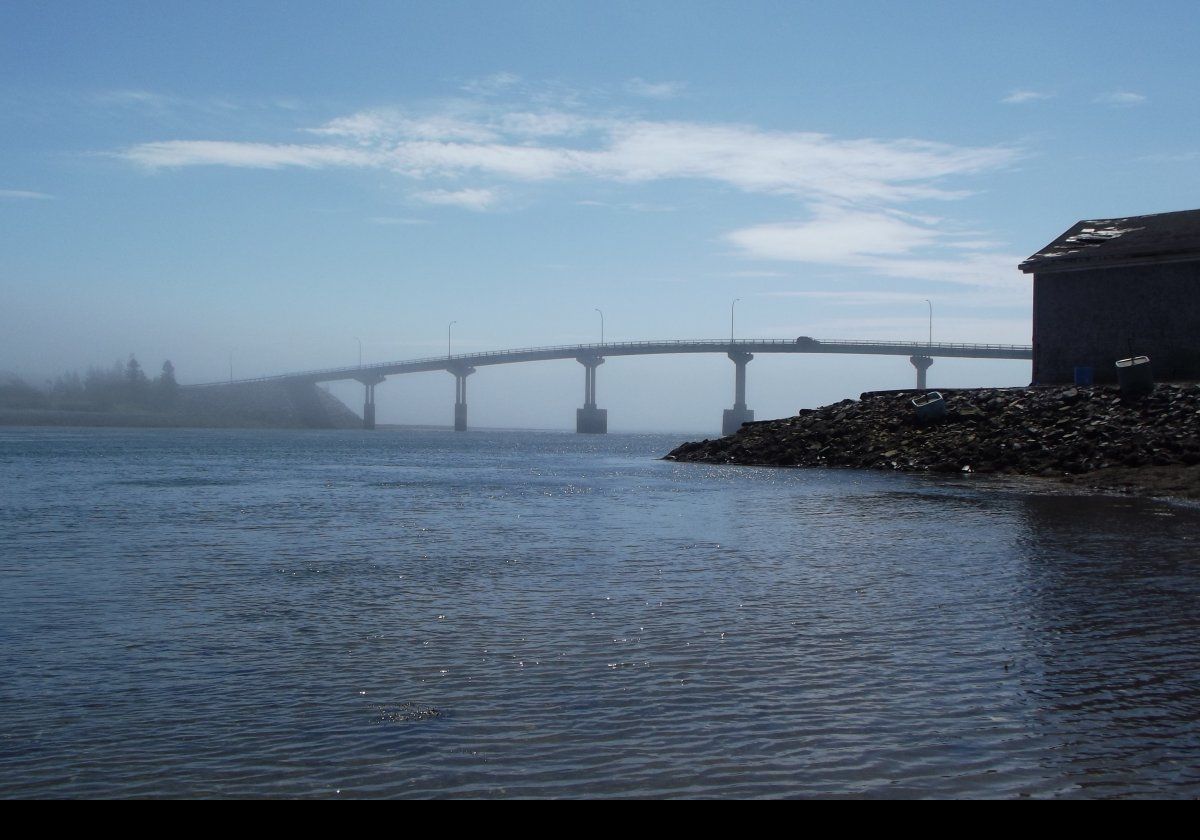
(1084, 376)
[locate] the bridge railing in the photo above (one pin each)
(350, 372)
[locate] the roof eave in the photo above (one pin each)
(1049, 265)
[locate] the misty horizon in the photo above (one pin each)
(236, 204)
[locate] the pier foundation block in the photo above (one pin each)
(591, 421)
(733, 418)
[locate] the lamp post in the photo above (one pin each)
(359, 340)
(448, 326)
(930, 322)
(601, 326)
(731, 308)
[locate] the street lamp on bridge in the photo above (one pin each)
(359, 340)
(930, 322)
(601, 326)
(731, 308)
(448, 326)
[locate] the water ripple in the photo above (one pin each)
(537, 615)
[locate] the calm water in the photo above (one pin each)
(235, 613)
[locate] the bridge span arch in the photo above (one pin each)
(592, 419)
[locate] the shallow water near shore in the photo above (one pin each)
(420, 613)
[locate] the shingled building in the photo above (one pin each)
(1112, 288)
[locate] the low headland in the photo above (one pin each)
(1088, 436)
(124, 396)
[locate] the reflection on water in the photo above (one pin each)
(1114, 615)
(430, 614)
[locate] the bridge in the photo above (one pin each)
(591, 419)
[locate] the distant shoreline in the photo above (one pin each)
(14, 418)
(94, 419)
(238, 406)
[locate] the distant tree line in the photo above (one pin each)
(122, 387)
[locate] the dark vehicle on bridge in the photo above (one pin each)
(805, 341)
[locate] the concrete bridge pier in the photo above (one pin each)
(369, 383)
(921, 363)
(461, 372)
(733, 418)
(590, 420)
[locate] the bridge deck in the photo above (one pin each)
(648, 348)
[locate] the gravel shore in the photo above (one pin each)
(1087, 436)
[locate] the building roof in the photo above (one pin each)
(1160, 237)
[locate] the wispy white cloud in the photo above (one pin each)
(805, 165)
(470, 199)
(634, 206)
(883, 243)
(834, 236)
(492, 84)
(547, 123)
(381, 125)
(852, 194)
(139, 98)
(654, 90)
(169, 154)
(1024, 97)
(1121, 98)
(25, 194)
(988, 269)
(161, 105)
(519, 145)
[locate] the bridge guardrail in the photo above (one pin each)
(349, 372)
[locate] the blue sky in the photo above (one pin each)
(280, 181)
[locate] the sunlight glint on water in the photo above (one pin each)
(231, 613)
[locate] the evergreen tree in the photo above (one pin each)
(133, 370)
(165, 387)
(137, 386)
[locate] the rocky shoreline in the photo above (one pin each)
(1089, 436)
